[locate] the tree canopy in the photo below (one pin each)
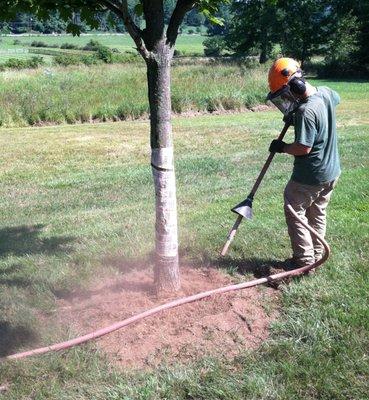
(337, 30)
(107, 20)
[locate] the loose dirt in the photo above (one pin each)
(221, 325)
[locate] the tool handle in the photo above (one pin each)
(231, 235)
(267, 162)
(233, 231)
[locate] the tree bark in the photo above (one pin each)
(263, 58)
(166, 268)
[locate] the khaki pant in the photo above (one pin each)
(310, 203)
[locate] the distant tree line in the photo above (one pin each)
(335, 30)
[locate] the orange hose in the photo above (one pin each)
(118, 325)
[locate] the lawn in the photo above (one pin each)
(187, 44)
(72, 197)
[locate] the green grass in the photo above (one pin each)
(186, 44)
(113, 92)
(71, 196)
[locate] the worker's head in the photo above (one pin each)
(287, 84)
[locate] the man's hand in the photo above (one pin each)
(289, 119)
(277, 146)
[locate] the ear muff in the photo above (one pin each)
(297, 85)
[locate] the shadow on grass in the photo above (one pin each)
(259, 267)
(21, 241)
(17, 276)
(26, 240)
(8, 279)
(14, 337)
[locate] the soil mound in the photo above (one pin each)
(219, 325)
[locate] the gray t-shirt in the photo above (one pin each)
(315, 127)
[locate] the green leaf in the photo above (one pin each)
(216, 21)
(138, 9)
(209, 9)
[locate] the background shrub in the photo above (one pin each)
(66, 60)
(37, 43)
(92, 45)
(70, 46)
(103, 53)
(17, 63)
(214, 46)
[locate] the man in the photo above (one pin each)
(316, 167)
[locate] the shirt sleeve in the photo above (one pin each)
(305, 128)
(335, 97)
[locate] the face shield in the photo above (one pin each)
(284, 100)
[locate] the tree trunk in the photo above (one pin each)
(263, 58)
(166, 269)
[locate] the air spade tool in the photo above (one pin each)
(244, 209)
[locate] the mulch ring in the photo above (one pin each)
(220, 325)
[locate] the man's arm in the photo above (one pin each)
(295, 149)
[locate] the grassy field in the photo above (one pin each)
(72, 195)
(113, 92)
(187, 44)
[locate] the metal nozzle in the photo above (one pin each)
(244, 208)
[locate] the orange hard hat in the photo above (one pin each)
(281, 72)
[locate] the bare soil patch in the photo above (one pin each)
(221, 325)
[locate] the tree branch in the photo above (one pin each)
(155, 27)
(182, 7)
(121, 9)
(112, 7)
